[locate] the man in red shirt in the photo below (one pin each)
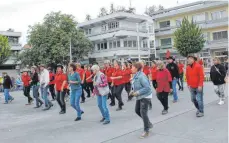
(52, 83)
(26, 83)
(108, 70)
(181, 73)
(82, 76)
(126, 73)
(195, 81)
(88, 83)
(117, 82)
(154, 74)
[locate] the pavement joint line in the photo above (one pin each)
(179, 114)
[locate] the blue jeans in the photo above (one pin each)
(197, 99)
(102, 104)
(7, 95)
(174, 83)
(36, 95)
(75, 100)
(44, 94)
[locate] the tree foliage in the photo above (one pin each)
(188, 38)
(150, 10)
(4, 49)
(112, 8)
(50, 41)
(103, 12)
(88, 17)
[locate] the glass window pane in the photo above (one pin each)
(118, 44)
(134, 43)
(214, 36)
(98, 46)
(129, 43)
(110, 45)
(114, 44)
(224, 35)
(164, 24)
(105, 45)
(165, 42)
(125, 43)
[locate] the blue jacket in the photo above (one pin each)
(141, 85)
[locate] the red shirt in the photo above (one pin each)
(59, 79)
(116, 73)
(88, 74)
(126, 75)
(146, 70)
(108, 73)
(163, 79)
(201, 62)
(154, 73)
(195, 75)
(25, 79)
(181, 67)
(52, 78)
(81, 73)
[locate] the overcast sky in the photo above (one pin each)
(19, 14)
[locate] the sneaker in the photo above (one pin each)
(106, 122)
(78, 119)
(62, 112)
(5, 103)
(164, 112)
(11, 99)
(82, 102)
(82, 112)
(221, 102)
(112, 104)
(144, 135)
(102, 120)
(197, 112)
(200, 114)
(150, 126)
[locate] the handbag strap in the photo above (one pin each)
(217, 70)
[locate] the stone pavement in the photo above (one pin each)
(23, 124)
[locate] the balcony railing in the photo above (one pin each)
(115, 30)
(165, 47)
(122, 48)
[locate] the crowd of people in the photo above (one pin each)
(108, 83)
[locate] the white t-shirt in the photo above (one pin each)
(150, 96)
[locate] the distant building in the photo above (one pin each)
(13, 38)
(211, 16)
(117, 36)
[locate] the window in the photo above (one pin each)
(105, 45)
(165, 42)
(178, 22)
(101, 46)
(98, 46)
(125, 43)
(220, 35)
(164, 24)
(88, 31)
(199, 17)
(114, 44)
(145, 44)
(129, 43)
(219, 15)
(113, 25)
(13, 40)
(118, 44)
(151, 44)
(110, 45)
(134, 44)
(104, 27)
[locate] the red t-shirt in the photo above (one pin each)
(88, 74)
(201, 62)
(59, 79)
(154, 73)
(80, 72)
(52, 78)
(25, 79)
(116, 73)
(108, 73)
(126, 74)
(146, 70)
(181, 67)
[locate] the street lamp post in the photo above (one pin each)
(138, 39)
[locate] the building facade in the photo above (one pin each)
(13, 39)
(211, 16)
(120, 36)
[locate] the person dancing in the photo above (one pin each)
(126, 73)
(26, 83)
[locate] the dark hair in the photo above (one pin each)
(73, 66)
(126, 64)
(154, 62)
(138, 65)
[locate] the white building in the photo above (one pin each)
(118, 36)
(13, 38)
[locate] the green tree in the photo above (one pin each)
(4, 49)
(103, 12)
(149, 11)
(188, 38)
(50, 41)
(88, 17)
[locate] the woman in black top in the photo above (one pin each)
(35, 85)
(7, 84)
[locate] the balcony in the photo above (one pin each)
(203, 24)
(15, 46)
(118, 32)
(217, 44)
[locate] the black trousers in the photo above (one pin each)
(117, 92)
(128, 89)
(60, 99)
(52, 90)
(88, 87)
(154, 83)
(141, 109)
(26, 91)
(163, 97)
(110, 95)
(83, 95)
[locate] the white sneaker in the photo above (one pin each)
(221, 102)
